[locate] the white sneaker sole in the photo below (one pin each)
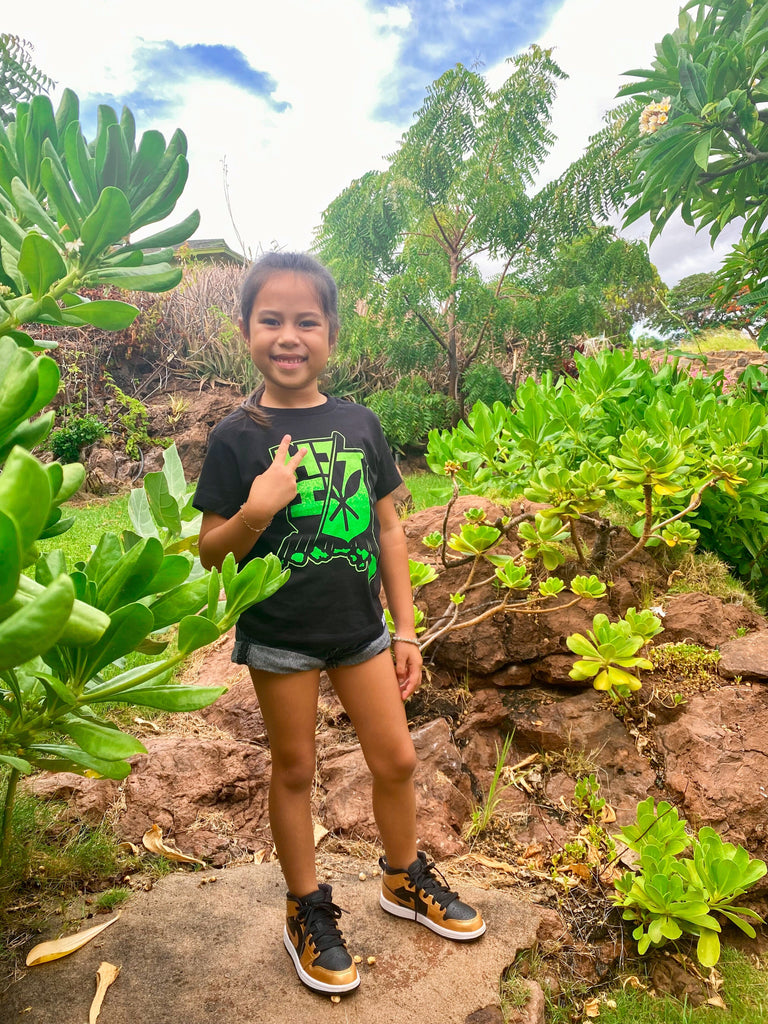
(309, 981)
(412, 915)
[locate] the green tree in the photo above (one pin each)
(596, 285)
(404, 243)
(692, 139)
(20, 79)
(696, 303)
(702, 134)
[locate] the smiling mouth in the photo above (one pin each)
(288, 361)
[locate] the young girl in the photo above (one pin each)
(299, 473)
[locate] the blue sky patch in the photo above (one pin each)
(159, 67)
(442, 33)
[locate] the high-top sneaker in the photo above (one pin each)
(315, 943)
(418, 895)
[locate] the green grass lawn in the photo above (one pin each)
(744, 992)
(92, 518)
(428, 489)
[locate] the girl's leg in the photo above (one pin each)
(289, 708)
(371, 697)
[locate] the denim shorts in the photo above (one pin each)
(275, 659)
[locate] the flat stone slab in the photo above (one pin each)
(746, 656)
(194, 953)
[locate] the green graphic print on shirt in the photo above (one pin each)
(331, 516)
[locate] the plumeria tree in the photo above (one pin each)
(691, 139)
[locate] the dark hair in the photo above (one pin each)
(258, 275)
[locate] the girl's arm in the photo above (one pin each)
(397, 586)
(270, 491)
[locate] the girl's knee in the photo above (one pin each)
(296, 774)
(398, 767)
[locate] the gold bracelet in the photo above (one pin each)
(405, 640)
(253, 529)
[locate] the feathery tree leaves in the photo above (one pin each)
(404, 242)
(20, 79)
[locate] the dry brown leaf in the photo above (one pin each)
(105, 975)
(582, 871)
(259, 855)
(717, 1001)
(153, 841)
(489, 862)
(56, 948)
(149, 723)
(634, 982)
(127, 847)
(525, 762)
(592, 1008)
(607, 814)
(319, 832)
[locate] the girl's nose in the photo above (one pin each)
(289, 334)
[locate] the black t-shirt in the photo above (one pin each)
(328, 536)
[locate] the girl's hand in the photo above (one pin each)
(407, 667)
(275, 487)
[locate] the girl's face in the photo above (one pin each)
(289, 339)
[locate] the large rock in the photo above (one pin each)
(716, 753)
(509, 638)
(443, 796)
(702, 619)
(746, 657)
(210, 794)
(574, 725)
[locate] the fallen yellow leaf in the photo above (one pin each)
(127, 847)
(634, 982)
(56, 948)
(592, 1008)
(105, 975)
(607, 814)
(154, 842)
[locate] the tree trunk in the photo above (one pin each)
(453, 362)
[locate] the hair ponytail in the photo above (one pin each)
(253, 409)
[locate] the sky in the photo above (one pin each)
(285, 103)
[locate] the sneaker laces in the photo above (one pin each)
(423, 877)
(319, 920)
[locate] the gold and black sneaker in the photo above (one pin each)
(315, 943)
(416, 894)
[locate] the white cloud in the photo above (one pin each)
(336, 63)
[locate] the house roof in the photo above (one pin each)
(213, 249)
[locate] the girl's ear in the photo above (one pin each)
(243, 328)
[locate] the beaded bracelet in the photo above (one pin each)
(406, 640)
(253, 529)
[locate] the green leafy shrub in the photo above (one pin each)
(690, 463)
(410, 410)
(68, 441)
(669, 895)
(484, 382)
